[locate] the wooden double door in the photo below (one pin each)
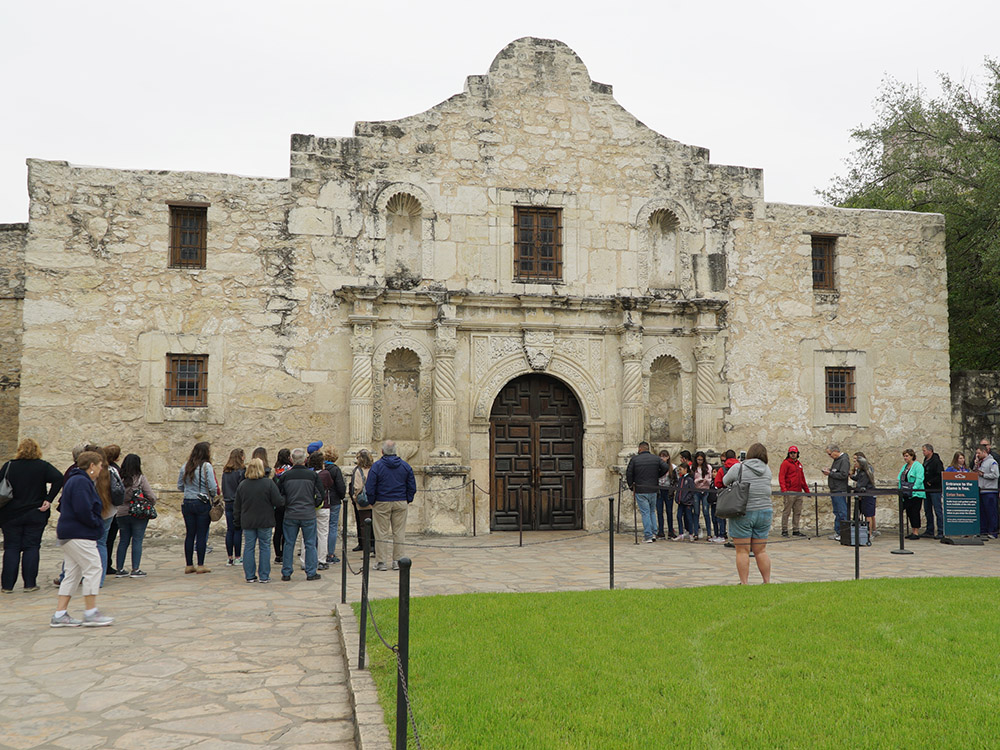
(536, 456)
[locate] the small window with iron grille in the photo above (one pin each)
(187, 380)
(188, 227)
(538, 244)
(840, 389)
(823, 254)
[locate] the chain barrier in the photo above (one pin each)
(399, 662)
(443, 489)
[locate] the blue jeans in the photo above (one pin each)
(196, 523)
(932, 510)
(719, 524)
(234, 539)
(291, 528)
(647, 509)
(331, 540)
(665, 507)
(252, 539)
(989, 514)
(102, 548)
(840, 512)
(701, 504)
(132, 531)
(685, 519)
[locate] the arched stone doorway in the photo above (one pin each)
(536, 456)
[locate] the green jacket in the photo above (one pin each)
(916, 476)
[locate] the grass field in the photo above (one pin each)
(875, 663)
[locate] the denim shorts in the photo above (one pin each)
(756, 524)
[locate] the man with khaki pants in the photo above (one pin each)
(390, 489)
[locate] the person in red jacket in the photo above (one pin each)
(792, 478)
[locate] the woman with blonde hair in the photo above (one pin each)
(359, 475)
(24, 517)
(257, 497)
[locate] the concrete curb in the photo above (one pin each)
(370, 731)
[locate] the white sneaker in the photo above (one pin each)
(65, 621)
(96, 620)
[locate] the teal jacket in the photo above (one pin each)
(916, 476)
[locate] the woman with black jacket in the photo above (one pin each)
(257, 499)
(232, 474)
(23, 518)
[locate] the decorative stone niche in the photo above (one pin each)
(403, 254)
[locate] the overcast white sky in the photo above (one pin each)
(220, 86)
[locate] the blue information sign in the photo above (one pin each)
(961, 503)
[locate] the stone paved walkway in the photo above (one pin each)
(192, 661)
(211, 662)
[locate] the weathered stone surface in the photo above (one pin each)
(684, 310)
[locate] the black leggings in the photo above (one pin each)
(912, 507)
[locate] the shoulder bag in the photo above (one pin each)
(732, 502)
(217, 509)
(139, 506)
(361, 498)
(6, 491)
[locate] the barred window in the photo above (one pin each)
(187, 380)
(538, 244)
(188, 229)
(840, 389)
(823, 254)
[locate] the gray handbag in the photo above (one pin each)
(732, 502)
(6, 491)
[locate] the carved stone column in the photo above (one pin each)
(706, 408)
(445, 345)
(362, 345)
(632, 411)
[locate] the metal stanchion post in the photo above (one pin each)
(635, 520)
(365, 565)
(857, 538)
(403, 672)
(343, 557)
(520, 520)
(611, 541)
(619, 505)
(816, 504)
(902, 547)
(473, 507)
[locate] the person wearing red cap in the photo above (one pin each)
(792, 478)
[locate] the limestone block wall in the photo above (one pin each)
(888, 318)
(534, 131)
(102, 310)
(12, 242)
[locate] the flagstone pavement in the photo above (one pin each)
(214, 663)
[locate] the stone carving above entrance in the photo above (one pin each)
(576, 360)
(538, 348)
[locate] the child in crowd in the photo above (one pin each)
(685, 497)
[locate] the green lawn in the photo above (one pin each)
(875, 663)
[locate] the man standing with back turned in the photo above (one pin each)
(643, 477)
(837, 476)
(303, 493)
(390, 489)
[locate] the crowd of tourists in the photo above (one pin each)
(691, 485)
(265, 508)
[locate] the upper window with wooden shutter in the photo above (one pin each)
(538, 244)
(188, 230)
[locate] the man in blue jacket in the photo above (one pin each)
(390, 489)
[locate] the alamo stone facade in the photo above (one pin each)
(518, 285)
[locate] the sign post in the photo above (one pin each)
(960, 498)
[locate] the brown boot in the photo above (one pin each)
(202, 569)
(189, 569)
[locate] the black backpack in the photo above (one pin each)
(117, 487)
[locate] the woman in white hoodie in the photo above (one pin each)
(750, 531)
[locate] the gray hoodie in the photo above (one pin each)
(757, 474)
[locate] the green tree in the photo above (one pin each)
(942, 154)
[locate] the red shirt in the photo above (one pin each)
(792, 477)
